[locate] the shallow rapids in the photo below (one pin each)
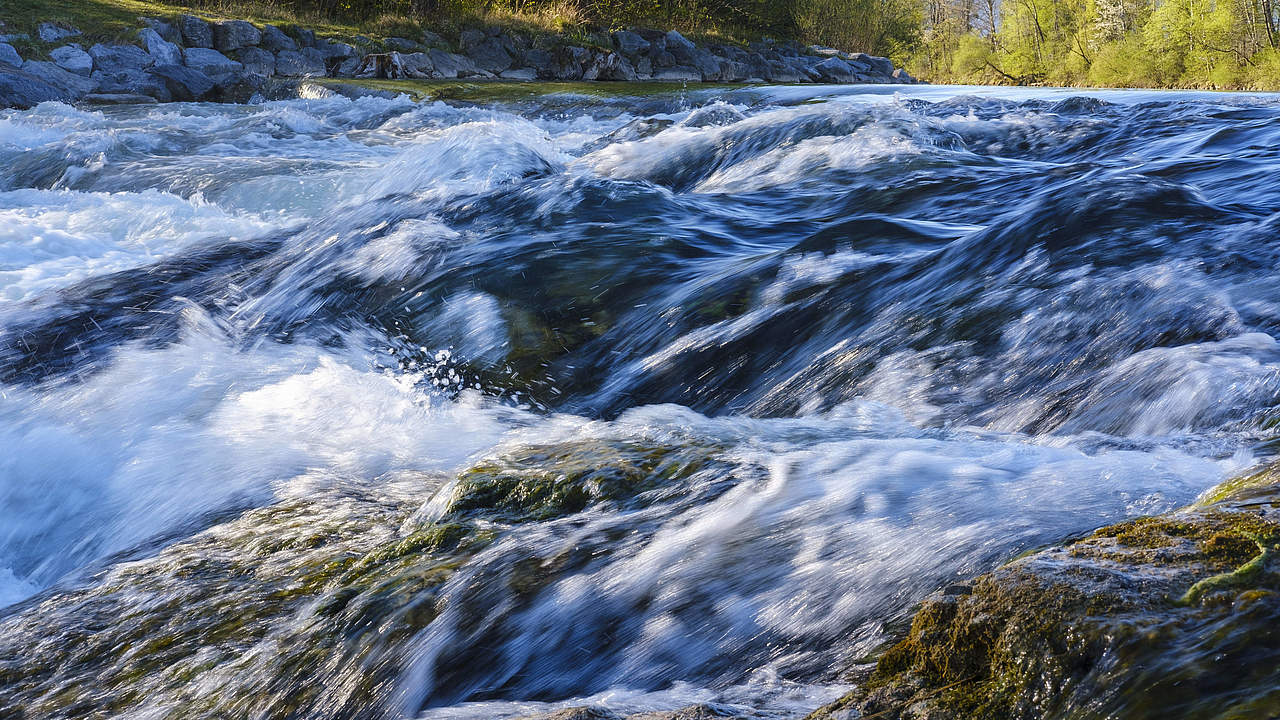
(481, 408)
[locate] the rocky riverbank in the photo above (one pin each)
(190, 59)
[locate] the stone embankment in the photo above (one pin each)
(189, 59)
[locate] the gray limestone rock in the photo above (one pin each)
(231, 35)
(307, 62)
(22, 90)
(274, 40)
(162, 51)
(210, 62)
(183, 83)
(256, 60)
(49, 32)
(71, 84)
(132, 81)
(417, 65)
(629, 43)
(120, 57)
(10, 56)
(72, 59)
(196, 33)
(490, 55)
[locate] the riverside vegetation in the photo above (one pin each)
(1233, 44)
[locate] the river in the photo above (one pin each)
(474, 409)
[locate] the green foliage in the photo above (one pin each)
(1216, 44)
(885, 26)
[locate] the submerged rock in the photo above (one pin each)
(539, 483)
(273, 614)
(1167, 616)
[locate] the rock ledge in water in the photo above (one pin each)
(1166, 616)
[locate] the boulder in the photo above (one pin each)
(433, 40)
(524, 74)
(468, 39)
(307, 62)
(871, 63)
(404, 45)
(210, 62)
(162, 51)
(609, 66)
(14, 37)
(118, 99)
(490, 55)
(73, 86)
(904, 77)
(50, 33)
(169, 32)
(237, 87)
(835, 70)
(347, 67)
(9, 56)
(256, 60)
(305, 36)
(417, 65)
(451, 65)
(629, 44)
(336, 51)
(196, 33)
(781, 72)
(707, 64)
(72, 59)
(541, 62)
(231, 35)
(680, 48)
(1165, 616)
(760, 67)
(733, 71)
(679, 73)
(120, 57)
(183, 83)
(274, 40)
(22, 90)
(662, 59)
(131, 81)
(567, 62)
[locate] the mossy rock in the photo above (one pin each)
(544, 482)
(1165, 616)
(299, 609)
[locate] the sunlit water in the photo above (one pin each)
(920, 330)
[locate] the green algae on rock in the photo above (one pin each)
(1166, 616)
(274, 613)
(305, 608)
(543, 482)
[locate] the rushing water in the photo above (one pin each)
(877, 339)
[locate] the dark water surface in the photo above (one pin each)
(324, 408)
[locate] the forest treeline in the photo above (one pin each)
(1134, 43)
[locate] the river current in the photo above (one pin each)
(813, 353)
